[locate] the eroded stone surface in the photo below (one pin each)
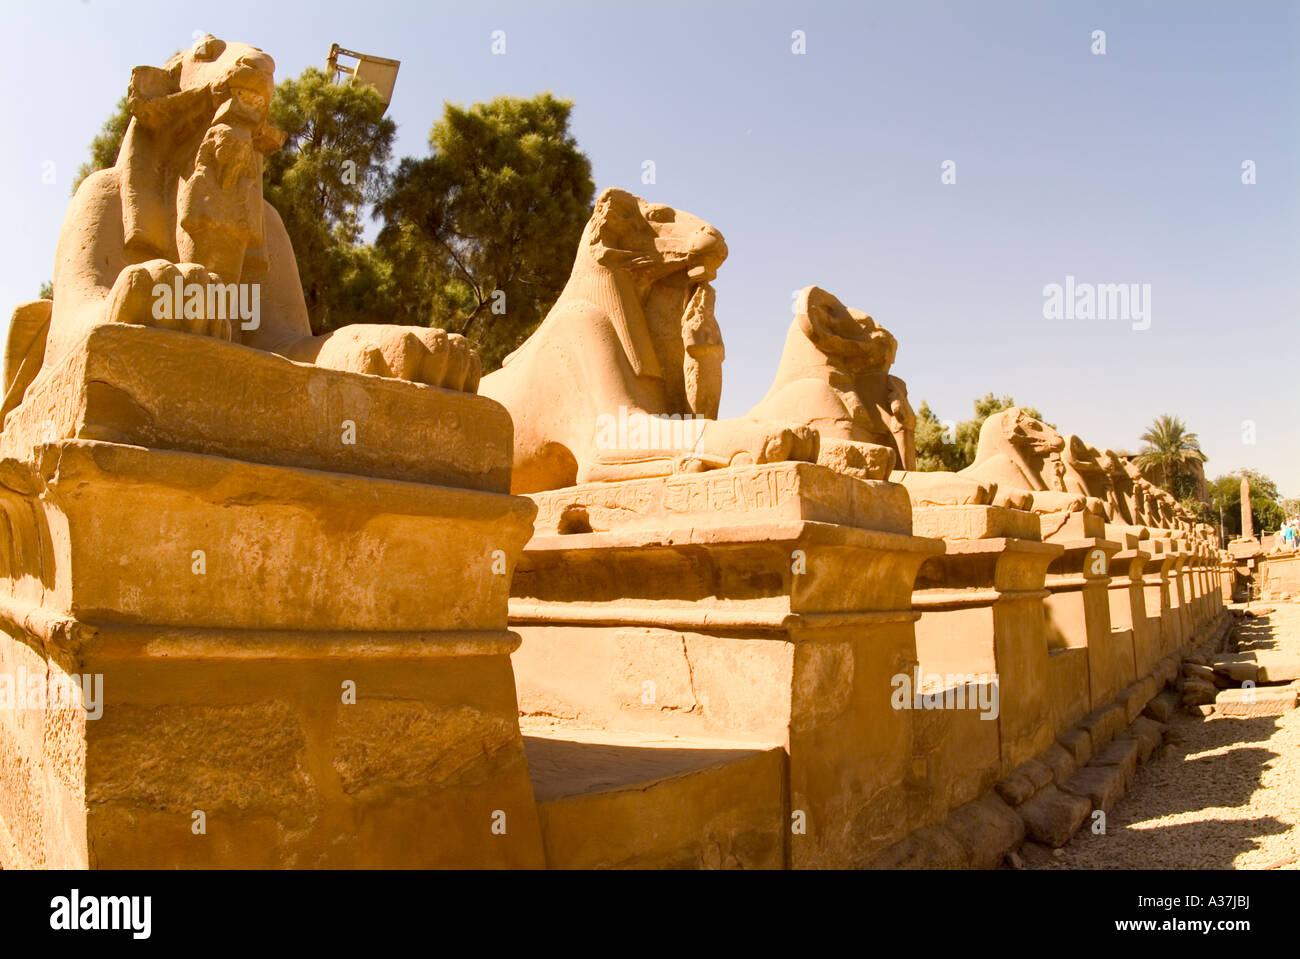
(1052, 815)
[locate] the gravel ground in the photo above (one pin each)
(1222, 794)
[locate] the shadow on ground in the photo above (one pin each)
(1135, 840)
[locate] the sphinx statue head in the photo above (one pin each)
(667, 259)
(633, 333)
(1019, 452)
(846, 340)
(834, 377)
(1013, 438)
(1085, 474)
(192, 156)
(1168, 509)
(1120, 485)
(1126, 481)
(1150, 501)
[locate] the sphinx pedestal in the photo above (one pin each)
(1198, 588)
(1227, 578)
(1207, 571)
(1137, 635)
(1279, 575)
(750, 610)
(1214, 583)
(982, 616)
(1180, 600)
(1127, 535)
(303, 663)
(1191, 591)
(1162, 611)
(1078, 617)
(1210, 594)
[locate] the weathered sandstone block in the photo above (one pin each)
(164, 390)
(981, 606)
(1052, 816)
(1078, 617)
(1101, 785)
(759, 606)
(299, 667)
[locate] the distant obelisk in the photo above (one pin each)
(1247, 521)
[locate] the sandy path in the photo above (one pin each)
(1224, 793)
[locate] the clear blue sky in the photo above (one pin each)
(825, 168)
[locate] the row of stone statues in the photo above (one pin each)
(633, 332)
(229, 539)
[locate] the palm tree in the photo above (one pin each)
(1168, 451)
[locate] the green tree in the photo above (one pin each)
(1200, 509)
(1225, 493)
(1168, 453)
(332, 166)
(934, 449)
(1225, 500)
(483, 230)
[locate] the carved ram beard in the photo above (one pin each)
(219, 203)
(680, 309)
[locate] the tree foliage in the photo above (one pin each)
(478, 237)
(485, 227)
(934, 450)
(1225, 500)
(1168, 453)
(332, 166)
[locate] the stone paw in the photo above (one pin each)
(148, 294)
(413, 353)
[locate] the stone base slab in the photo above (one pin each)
(272, 749)
(167, 390)
(770, 493)
(124, 534)
(782, 633)
(1090, 767)
(609, 800)
(974, 522)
